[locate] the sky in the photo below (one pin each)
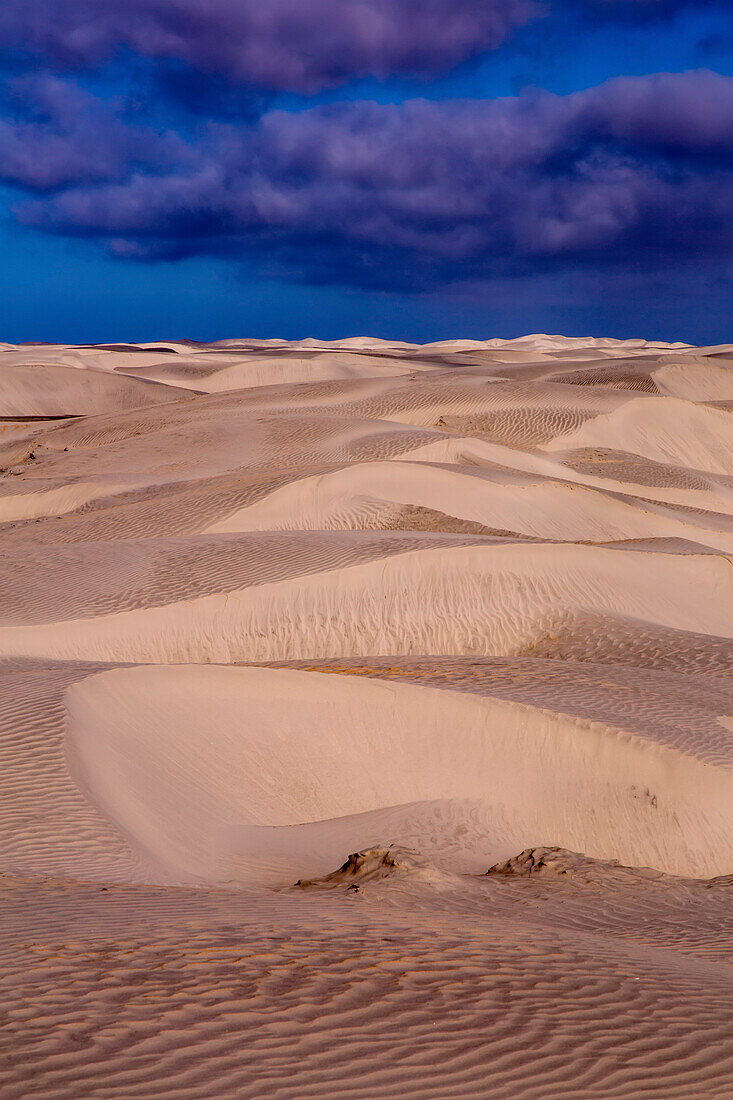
(411, 169)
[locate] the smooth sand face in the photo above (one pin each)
(453, 607)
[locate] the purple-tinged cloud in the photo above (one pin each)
(294, 45)
(636, 173)
(58, 135)
(299, 45)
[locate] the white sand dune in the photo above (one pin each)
(202, 767)
(450, 608)
(369, 494)
(454, 596)
(45, 390)
(695, 378)
(672, 431)
(217, 373)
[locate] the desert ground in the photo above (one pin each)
(299, 641)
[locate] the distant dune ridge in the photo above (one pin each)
(374, 618)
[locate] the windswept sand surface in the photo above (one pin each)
(453, 607)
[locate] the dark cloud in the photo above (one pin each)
(715, 46)
(55, 135)
(637, 172)
(633, 11)
(294, 45)
(637, 11)
(299, 45)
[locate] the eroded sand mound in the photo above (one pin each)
(375, 865)
(263, 604)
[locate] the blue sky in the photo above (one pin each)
(232, 202)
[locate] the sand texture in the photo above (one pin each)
(366, 720)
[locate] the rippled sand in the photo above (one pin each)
(450, 608)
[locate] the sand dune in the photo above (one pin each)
(200, 769)
(219, 372)
(451, 595)
(451, 608)
(673, 431)
(45, 390)
(373, 494)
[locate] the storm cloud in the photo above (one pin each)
(292, 45)
(281, 44)
(637, 171)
